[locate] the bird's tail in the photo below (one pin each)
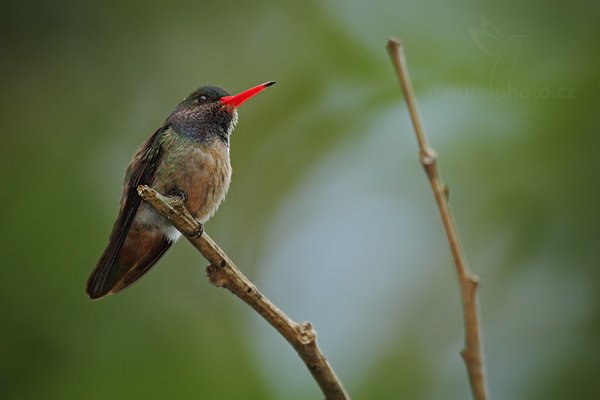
(134, 259)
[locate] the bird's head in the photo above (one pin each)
(210, 112)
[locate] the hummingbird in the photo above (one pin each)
(187, 156)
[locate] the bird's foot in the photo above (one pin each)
(198, 232)
(179, 193)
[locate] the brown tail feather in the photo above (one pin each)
(141, 250)
(142, 266)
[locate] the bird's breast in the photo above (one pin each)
(202, 171)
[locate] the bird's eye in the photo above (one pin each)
(201, 99)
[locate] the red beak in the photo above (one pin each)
(239, 98)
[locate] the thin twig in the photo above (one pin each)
(471, 353)
(222, 272)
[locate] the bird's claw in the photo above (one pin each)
(198, 232)
(183, 195)
(180, 194)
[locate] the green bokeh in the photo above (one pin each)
(508, 93)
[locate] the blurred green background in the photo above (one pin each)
(329, 212)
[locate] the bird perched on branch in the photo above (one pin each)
(187, 156)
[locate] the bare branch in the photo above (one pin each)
(472, 353)
(222, 272)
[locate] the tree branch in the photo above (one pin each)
(468, 282)
(222, 272)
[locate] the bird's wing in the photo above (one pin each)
(141, 172)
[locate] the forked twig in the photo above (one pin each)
(222, 272)
(471, 353)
